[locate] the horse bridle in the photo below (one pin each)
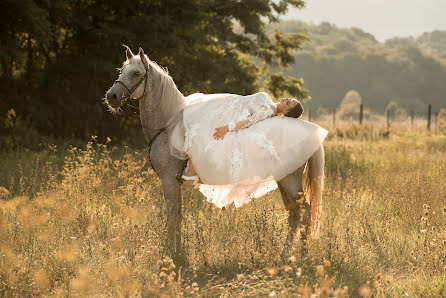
(143, 78)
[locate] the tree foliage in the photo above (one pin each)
(57, 57)
(349, 107)
(409, 71)
(395, 111)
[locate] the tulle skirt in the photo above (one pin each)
(247, 163)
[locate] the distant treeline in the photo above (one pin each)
(58, 58)
(408, 71)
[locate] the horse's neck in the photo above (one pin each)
(152, 119)
(150, 113)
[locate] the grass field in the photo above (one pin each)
(91, 222)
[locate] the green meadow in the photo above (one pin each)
(91, 221)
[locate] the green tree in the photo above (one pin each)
(410, 71)
(396, 112)
(442, 114)
(349, 107)
(60, 55)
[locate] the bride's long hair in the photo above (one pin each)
(296, 112)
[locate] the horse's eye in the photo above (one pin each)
(137, 73)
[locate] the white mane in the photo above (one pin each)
(172, 100)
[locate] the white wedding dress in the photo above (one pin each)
(247, 163)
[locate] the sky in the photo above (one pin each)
(382, 18)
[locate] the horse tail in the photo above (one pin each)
(313, 188)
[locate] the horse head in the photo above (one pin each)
(131, 82)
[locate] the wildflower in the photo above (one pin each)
(320, 270)
(171, 276)
(365, 291)
(287, 268)
(339, 293)
(272, 271)
(327, 263)
(299, 272)
(324, 292)
(195, 287)
(304, 291)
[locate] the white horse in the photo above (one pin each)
(159, 100)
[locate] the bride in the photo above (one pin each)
(239, 146)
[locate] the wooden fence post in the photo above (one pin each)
(411, 117)
(429, 112)
(309, 115)
(436, 119)
(360, 114)
(388, 118)
(334, 116)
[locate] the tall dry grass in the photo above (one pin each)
(91, 221)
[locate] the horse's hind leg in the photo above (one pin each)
(291, 189)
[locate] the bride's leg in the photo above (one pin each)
(191, 175)
(191, 170)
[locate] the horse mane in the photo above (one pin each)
(172, 100)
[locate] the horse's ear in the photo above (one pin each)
(143, 58)
(128, 52)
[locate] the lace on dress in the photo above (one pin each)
(264, 111)
(257, 107)
(247, 162)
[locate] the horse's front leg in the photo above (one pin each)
(166, 167)
(173, 199)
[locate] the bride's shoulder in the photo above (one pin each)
(259, 97)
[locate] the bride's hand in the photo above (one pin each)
(220, 132)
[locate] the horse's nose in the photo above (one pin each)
(112, 99)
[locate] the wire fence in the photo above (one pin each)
(430, 118)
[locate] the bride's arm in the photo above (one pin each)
(262, 113)
(221, 131)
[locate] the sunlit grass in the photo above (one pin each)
(91, 221)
